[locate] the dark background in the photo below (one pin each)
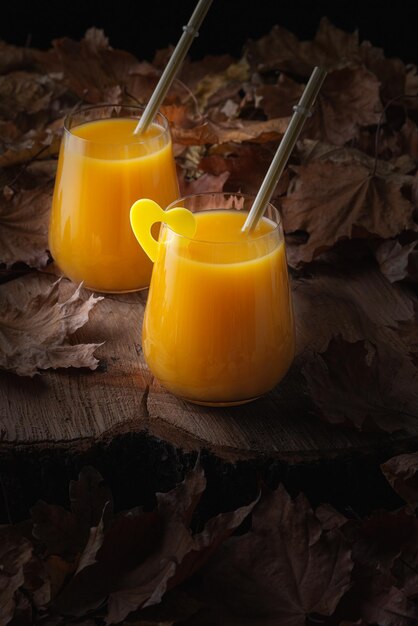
(141, 27)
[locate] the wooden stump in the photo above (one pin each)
(119, 419)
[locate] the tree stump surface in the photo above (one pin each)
(73, 409)
(142, 439)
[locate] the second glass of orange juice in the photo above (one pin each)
(218, 326)
(103, 167)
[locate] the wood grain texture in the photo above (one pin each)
(73, 409)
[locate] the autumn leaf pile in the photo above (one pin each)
(273, 561)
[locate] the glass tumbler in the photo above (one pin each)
(103, 167)
(218, 326)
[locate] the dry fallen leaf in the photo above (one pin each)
(26, 92)
(285, 569)
(401, 473)
(384, 550)
(211, 132)
(391, 73)
(348, 100)
(90, 498)
(377, 594)
(333, 201)
(331, 48)
(15, 552)
(408, 333)
(59, 530)
(398, 262)
(140, 555)
(355, 346)
(194, 72)
(35, 326)
(31, 145)
(24, 219)
(380, 602)
(89, 69)
(380, 538)
(16, 57)
(357, 304)
(358, 383)
(205, 182)
(247, 164)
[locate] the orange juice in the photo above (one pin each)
(102, 169)
(218, 326)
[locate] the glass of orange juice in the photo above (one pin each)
(218, 326)
(103, 167)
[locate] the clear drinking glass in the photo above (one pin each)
(218, 327)
(103, 167)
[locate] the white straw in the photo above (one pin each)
(301, 112)
(189, 33)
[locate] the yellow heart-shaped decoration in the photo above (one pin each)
(145, 213)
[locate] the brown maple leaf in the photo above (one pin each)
(24, 219)
(69, 540)
(8, 133)
(15, 553)
(407, 331)
(332, 200)
(349, 99)
(35, 325)
(58, 530)
(89, 68)
(65, 533)
(369, 370)
(286, 568)
(357, 305)
(247, 164)
(16, 57)
(140, 555)
(408, 138)
(401, 473)
(203, 183)
(194, 72)
(379, 539)
(36, 143)
(132, 539)
(178, 504)
(358, 383)
(27, 93)
(391, 73)
(215, 88)
(281, 50)
(277, 99)
(387, 541)
(397, 261)
(380, 601)
(379, 593)
(380, 545)
(212, 132)
(329, 517)
(91, 499)
(37, 584)
(140, 82)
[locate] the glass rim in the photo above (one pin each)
(164, 125)
(206, 194)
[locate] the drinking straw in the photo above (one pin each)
(301, 112)
(189, 33)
